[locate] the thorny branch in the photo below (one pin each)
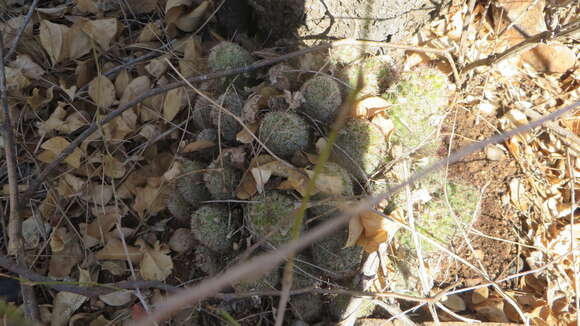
(266, 262)
(15, 245)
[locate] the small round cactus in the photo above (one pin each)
(191, 185)
(339, 262)
(179, 207)
(227, 125)
(322, 98)
(209, 225)
(271, 212)
(376, 72)
(200, 113)
(284, 133)
(333, 172)
(418, 102)
(360, 148)
(228, 55)
(211, 135)
(221, 180)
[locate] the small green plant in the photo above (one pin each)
(191, 186)
(360, 148)
(221, 180)
(227, 125)
(228, 55)
(284, 133)
(271, 212)
(418, 101)
(322, 98)
(209, 225)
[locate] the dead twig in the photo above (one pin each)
(565, 31)
(87, 289)
(15, 241)
(261, 264)
(16, 39)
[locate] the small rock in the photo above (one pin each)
(494, 153)
(181, 241)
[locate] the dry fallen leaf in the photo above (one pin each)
(117, 298)
(370, 229)
(66, 303)
(248, 185)
(66, 253)
(174, 102)
(135, 88)
(53, 38)
(54, 146)
(29, 68)
(112, 167)
(198, 145)
(102, 91)
(114, 250)
(78, 42)
(190, 21)
(151, 199)
(101, 31)
(156, 263)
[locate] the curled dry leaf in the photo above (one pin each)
(198, 145)
(244, 135)
(117, 298)
(152, 198)
(370, 229)
(29, 68)
(114, 250)
(53, 38)
(38, 100)
(66, 253)
(105, 219)
(66, 303)
(156, 263)
(248, 186)
(54, 146)
(135, 88)
(78, 43)
(189, 22)
(98, 193)
(102, 91)
(368, 107)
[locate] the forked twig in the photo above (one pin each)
(15, 240)
(263, 263)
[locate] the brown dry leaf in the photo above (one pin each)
(78, 41)
(150, 199)
(261, 177)
(135, 88)
(66, 253)
(376, 230)
(297, 179)
(328, 184)
(368, 107)
(97, 193)
(492, 309)
(248, 187)
(479, 295)
(157, 67)
(191, 63)
(101, 31)
(87, 6)
(102, 91)
(189, 22)
(114, 250)
(117, 298)
(66, 303)
(105, 219)
(174, 102)
(151, 32)
(54, 146)
(156, 263)
(121, 82)
(53, 38)
(112, 167)
(174, 9)
(244, 136)
(518, 195)
(198, 145)
(29, 68)
(38, 100)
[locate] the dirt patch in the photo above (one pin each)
(494, 255)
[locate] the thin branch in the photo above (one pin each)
(15, 240)
(87, 289)
(565, 31)
(16, 39)
(261, 264)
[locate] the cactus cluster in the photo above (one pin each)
(322, 98)
(360, 148)
(226, 124)
(418, 98)
(284, 133)
(339, 262)
(375, 73)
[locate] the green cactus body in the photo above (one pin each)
(376, 72)
(263, 283)
(271, 212)
(322, 98)
(436, 221)
(307, 306)
(227, 125)
(339, 262)
(418, 102)
(333, 170)
(200, 114)
(208, 134)
(221, 180)
(179, 207)
(228, 55)
(191, 185)
(209, 225)
(360, 148)
(284, 133)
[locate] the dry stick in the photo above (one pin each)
(90, 290)
(15, 240)
(20, 31)
(565, 31)
(266, 262)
